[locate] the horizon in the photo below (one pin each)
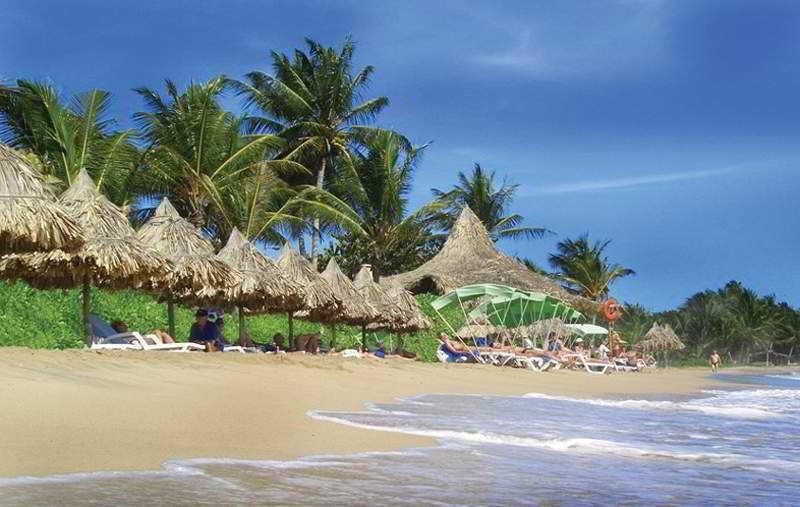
(658, 126)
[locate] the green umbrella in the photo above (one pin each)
(521, 309)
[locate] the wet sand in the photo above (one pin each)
(82, 411)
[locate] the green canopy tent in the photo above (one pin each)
(521, 309)
(503, 306)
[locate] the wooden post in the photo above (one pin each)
(242, 330)
(363, 337)
(290, 315)
(171, 318)
(86, 309)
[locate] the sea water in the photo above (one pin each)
(738, 445)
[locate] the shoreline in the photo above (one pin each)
(76, 411)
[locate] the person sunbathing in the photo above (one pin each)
(157, 336)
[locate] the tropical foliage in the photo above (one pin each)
(216, 172)
(65, 136)
(479, 191)
(733, 320)
(584, 267)
(393, 240)
(313, 100)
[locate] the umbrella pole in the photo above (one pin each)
(363, 337)
(291, 326)
(240, 311)
(86, 308)
(171, 318)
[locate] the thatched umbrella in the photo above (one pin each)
(264, 286)
(196, 271)
(390, 313)
(478, 330)
(660, 338)
(111, 257)
(543, 328)
(30, 218)
(320, 303)
(412, 317)
(468, 257)
(354, 308)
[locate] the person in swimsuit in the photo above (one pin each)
(714, 361)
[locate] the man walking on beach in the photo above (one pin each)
(714, 360)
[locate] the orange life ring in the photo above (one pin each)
(612, 310)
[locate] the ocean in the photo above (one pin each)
(739, 445)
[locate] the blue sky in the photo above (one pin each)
(669, 127)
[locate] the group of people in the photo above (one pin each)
(209, 329)
(554, 350)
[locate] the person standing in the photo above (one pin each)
(714, 361)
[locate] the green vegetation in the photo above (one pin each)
(303, 160)
(51, 319)
(741, 325)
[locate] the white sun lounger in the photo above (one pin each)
(135, 341)
(534, 363)
(592, 366)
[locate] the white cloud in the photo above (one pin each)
(626, 182)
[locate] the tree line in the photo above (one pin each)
(304, 160)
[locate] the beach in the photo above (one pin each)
(83, 411)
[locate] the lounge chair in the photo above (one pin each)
(105, 337)
(447, 355)
(591, 365)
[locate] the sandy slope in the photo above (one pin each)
(73, 411)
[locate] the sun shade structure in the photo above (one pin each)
(354, 308)
(264, 287)
(522, 309)
(390, 313)
(478, 331)
(195, 272)
(30, 218)
(470, 257)
(587, 329)
(412, 317)
(112, 256)
(660, 338)
(319, 301)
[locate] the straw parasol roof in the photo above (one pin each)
(412, 318)
(264, 287)
(319, 300)
(390, 313)
(354, 308)
(468, 257)
(30, 219)
(478, 330)
(660, 338)
(111, 256)
(543, 328)
(195, 268)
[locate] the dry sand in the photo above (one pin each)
(79, 411)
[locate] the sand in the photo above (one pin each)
(82, 411)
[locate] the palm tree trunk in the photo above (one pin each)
(86, 308)
(315, 234)
(171, 318)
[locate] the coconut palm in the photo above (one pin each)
(391, 238)
(212, 167)
(65, 137)
(479, 191)
(314, 101)
(584, 268)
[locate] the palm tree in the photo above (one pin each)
(68, 137)
(390, 238)
(211, 166)
(584, 268)
(313, 100)
(478, 191)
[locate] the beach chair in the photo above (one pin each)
(446, 355)
(592, 365)
(105, 337)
